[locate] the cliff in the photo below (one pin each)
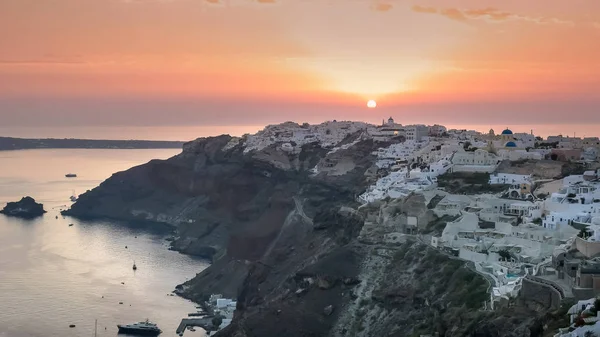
(290, 242)
(223, 200)
(355, 273)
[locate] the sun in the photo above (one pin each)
(371, 104)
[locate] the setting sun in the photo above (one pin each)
(371, 104)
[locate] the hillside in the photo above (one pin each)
(281, 222)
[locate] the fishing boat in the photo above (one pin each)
(134, 266)
(71, 175)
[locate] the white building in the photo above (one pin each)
(437, 130)
(578, 202)
(327, 134)
(507, 179)
(388, 129)
(416, 132)
(516, 155)
(448, 149)
(525, 140)
(474, 161)
(590, 154)
(554, 139)
(477, 157)
(399, 184)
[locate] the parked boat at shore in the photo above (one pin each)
(145, 328)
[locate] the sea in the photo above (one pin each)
(53, 275)
(190, 132)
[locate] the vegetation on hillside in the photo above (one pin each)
(468, 183)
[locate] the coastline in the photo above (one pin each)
(11, 144)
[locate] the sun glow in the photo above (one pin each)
(371, 104)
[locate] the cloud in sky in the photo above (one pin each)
(382, 6)
(488, 14)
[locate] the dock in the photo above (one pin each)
(204, 323)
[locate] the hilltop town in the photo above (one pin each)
(541, 224)
(521, 211)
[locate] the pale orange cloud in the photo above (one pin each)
(422, 9)
(488, 14)
(382, 7)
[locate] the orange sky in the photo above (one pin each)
(261, 61)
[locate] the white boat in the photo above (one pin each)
(141, 328)
(73, 197)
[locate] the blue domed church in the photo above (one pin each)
(507, 139)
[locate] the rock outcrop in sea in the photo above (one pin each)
(24, 208)
(289, 240)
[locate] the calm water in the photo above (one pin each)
(185, 133)
(53, 275)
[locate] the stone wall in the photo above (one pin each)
(581, 294)
(536, 290)
(587, 248)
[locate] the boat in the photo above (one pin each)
(73, 197)
(71, 175)
(145, 328)
(134, 266)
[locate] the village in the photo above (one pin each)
(517, 222)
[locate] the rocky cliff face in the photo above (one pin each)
(289, 241)
(344, 277)
(222, 200)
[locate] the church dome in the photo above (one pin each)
(510, 144)
(507, 132)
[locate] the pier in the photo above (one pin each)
(204, 323)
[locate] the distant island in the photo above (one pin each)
(24, 208)
(8, 143)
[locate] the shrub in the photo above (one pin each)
(504, 254)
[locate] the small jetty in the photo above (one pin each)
(204, 323)
(216, 306)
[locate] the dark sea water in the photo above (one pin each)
(53, 275)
